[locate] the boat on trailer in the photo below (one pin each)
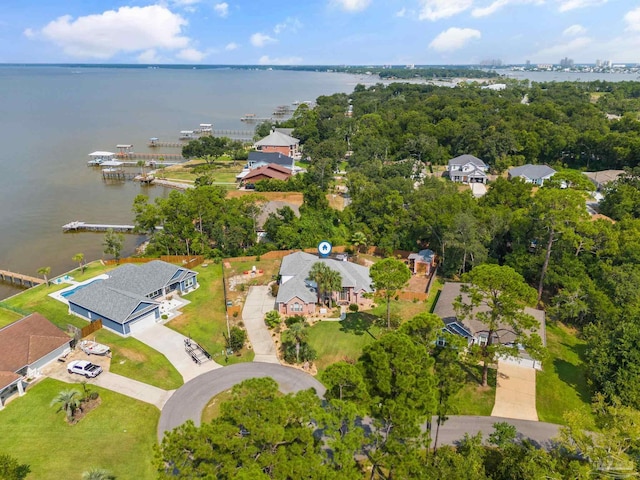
(93, 348)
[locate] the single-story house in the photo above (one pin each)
(467, 169)
(279, 142)
(259, 158)
(603, 177)
(535, 174)
(474, 330)
(127, 301)
(423, 262)
(268, 172)
(298, 295)
(26, 346)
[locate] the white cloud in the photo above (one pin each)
(574, 31)
(229, 47)
(222, 9)
(401, 13)
(566, 5)
(351, 5)
(453, 39)
(149, 56)
(266, 60)
(191, 55)
(260, 39)
(29, 33)
(496, 5)
(184, 3)
(291, 24)
(556, 52)
(128, 29)
(437, 9)
(632, 18)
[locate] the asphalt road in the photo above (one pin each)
(188, 402)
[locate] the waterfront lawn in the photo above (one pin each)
(562, 385)
(8, 316)
(119, 435)
(336, 341)
(131, 358)
(204, 318)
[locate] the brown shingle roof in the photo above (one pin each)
(7, 378)
(27, 341)
(272, 171)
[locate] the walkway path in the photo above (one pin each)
(134, 389)
(515, 392)
(188, 402)
(171, 344)
(259, 301)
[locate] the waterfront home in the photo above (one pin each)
(129, 299)
(475, 332)
(26, 346)
(467, 169)
(279, 142)
(268, 172)
(298, 295)
(535, 174)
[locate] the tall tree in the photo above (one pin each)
(113, 243)
(496, 296)
(45, 271)
(79, 258)
(327, 280)
(389, 275)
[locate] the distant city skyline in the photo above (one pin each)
(320, 32)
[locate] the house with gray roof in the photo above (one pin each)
(279, 142)
(535, 174)
(474, 330)
(467, 169)
(129, 299)
(298, 295)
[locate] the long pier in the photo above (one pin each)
(176, 157)
(19, 279)
(77, 226)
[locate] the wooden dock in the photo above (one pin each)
(19, 279)
(77, 226)
(156, 157)
(166, 144)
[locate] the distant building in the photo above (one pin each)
(536, 174)
(467, 169)
(279, 142)
(566, 62)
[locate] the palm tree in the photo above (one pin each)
(97, 474)
(318, 273)
(79, 257)
(141, 164)
(333, 283)
(45, 271)
(358, 239)
(68, 402)
(298, 333)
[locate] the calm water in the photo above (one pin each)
(52, 117)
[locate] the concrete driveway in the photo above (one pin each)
(171, 344)
(515, 392)
(259, 301)
(188, 402)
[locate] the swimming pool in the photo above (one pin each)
(68, 293)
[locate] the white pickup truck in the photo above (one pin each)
(82, 367)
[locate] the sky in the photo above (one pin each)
(319, 32)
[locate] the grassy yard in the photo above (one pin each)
(118, 435)
(204, 318)
(212, 409)
(335, 341)
(402, 309)
(131, 358)
(474, 399)
(562, 385)
(7, 316)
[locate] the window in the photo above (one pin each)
(482, 339)
(296, 307)
(189, 282)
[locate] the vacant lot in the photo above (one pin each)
(118, 435)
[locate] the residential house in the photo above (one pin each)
(268, 172)
(258, 158)
(279, 142)
(26, 346)
(535, 174)
(423, 262)
(603, 177)
(129, 299)
(467, 169)
(475, 331)
(298, 295)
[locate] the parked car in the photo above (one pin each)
(82, 367)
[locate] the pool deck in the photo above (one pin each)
(72, 285)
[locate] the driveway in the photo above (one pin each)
(188, 402)
(171, 344)
(259, 301)
(515, 392)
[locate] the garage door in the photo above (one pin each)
(142, 323)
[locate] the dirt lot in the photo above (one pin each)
(58, 369)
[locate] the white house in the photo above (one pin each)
(535, 174)
(467, 169)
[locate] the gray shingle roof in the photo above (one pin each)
(444, 309)
(119, 295)
(464, 159)
(532, 172)
(277, 139)
(257, 156)
(298, 264)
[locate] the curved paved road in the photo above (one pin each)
(189, 400)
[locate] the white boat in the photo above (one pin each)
(93, 348)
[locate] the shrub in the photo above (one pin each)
(257, 258)
(164, 316)
(272, 319)
(295, 319)
(236, 340)
(353, 307)
(275, 288)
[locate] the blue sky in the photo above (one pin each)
(319, 31)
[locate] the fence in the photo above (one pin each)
(92, 327)
(279, 254)
(184, 260)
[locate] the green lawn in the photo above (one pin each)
(562, 385)
(204, 318)
(8, 316)
(335, 341)
(131, 358)
(118, 435)
(474, 399)
(402, 309)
